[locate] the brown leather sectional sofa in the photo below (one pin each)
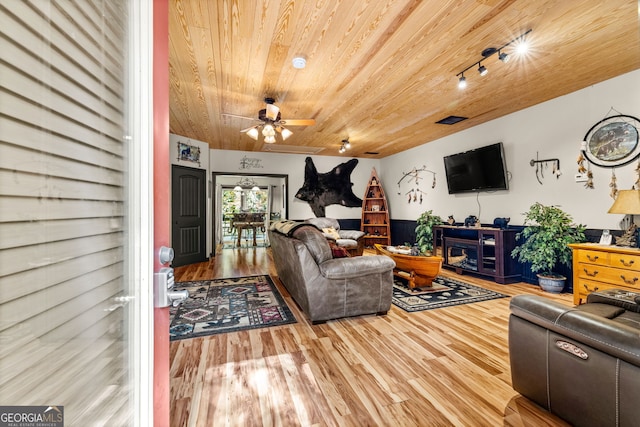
(325, 287)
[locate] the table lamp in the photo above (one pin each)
(628, 203)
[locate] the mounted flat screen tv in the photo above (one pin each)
(481, 169)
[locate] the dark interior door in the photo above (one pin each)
(188, 212)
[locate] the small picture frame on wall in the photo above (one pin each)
(189, 153)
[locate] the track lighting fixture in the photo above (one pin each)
(521, 45)
(462, 82)
(345, 146)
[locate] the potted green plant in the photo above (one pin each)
(424, 231)
(544, 243)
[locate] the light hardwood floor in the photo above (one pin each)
(442, 367)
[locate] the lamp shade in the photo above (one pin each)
(627, 202)
(286, 133)
(253, 133)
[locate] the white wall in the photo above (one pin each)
(293, 165)
(553, 129)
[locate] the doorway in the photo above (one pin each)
(262, 197)
(188, 211)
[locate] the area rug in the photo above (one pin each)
(228, 305)
(446, 292)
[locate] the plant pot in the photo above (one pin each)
(553, 283)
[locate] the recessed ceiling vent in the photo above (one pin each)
(451, 120)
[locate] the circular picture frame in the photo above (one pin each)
(613, 141)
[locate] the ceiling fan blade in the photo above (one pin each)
(248, 129)
(239, 117)
(298, 122)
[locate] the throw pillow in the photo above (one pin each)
(338, 251)
(331, 232)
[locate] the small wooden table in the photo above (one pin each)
(250, 221)
(249, 226)
(419, 271)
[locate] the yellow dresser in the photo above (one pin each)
(598, 267)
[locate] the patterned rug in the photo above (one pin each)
(445, 292)
(228, 305)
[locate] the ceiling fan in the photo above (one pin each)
(271, 122)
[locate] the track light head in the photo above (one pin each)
(504, 57)
(522, 47)
(462, 82)
(482, 70)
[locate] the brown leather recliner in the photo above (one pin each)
(580, 363)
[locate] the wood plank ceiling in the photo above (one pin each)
(382, 72)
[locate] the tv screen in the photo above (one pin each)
(476, 170)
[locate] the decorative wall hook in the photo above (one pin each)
(541, 164)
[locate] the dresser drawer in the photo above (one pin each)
(616, 277)
(594, 257)
(631, 262)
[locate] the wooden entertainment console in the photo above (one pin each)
(479, 250)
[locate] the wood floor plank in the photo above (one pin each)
(448, 366)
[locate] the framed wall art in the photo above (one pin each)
(189, 153)
(612, 142)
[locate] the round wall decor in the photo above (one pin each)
(613, 141)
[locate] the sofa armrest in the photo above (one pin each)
(619, 340)
(351, 234)
(347, 268)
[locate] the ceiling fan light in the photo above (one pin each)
(270, 139)
(346, 145)
(253, 133)
(272, 111)
(286, 133)
(483, 70)
(268, 130)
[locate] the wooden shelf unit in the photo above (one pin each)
(375, 214)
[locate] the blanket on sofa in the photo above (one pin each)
(287, 226)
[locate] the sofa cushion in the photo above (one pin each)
(351, 234)
(347, 243)
(315, 242)
(358, 266)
